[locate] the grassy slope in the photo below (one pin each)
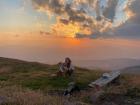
(37, 77)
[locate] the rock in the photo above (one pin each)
(2, 99)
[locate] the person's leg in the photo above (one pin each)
(69, 72)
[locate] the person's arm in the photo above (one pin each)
(61, 68)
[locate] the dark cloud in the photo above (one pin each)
(75, 15)
(64, 21)
(90, 13)
(131, 29)
(93, 36)
(128, 30)
(110, 11)
(54, 6)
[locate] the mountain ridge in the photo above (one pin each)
(108, 64)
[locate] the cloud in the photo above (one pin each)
(87, 18)
(131, 29)
(44, 33)
(110, 11)
(54, 6)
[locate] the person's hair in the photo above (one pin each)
(69, 61)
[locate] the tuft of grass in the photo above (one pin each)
(35, 83)
(18, 96)
(22, 66)
(46, 82)
(84, 76)
(133, 92)
(59, 82)
(3, 78)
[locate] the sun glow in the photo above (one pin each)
(68, 29)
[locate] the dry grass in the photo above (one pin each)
(5, 70)
(18, 96)
(134, 80)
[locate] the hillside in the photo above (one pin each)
(32, 83)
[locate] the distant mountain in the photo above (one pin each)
(110, 64)
(131, 70)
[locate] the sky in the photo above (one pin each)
(98, 28)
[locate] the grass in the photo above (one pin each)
(4, 78)
(32, 77)
(35, 76)
(25, 82)
(16, 95)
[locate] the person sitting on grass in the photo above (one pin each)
(66, 68)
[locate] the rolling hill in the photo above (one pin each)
(131, 70)
(109, 64)
(32, 83)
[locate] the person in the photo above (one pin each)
(61, 69)
(66, 68)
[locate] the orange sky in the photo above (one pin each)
(44, 48)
